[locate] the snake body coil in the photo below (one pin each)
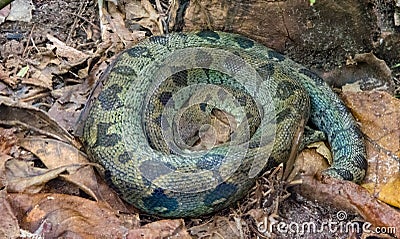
(134, 127)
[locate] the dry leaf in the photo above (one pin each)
(148, 17)
(70, 101)
(117, 24)
(69, 55)
(57, 215)
(39, 79)
(219, 227)
(323, 150)
(308, 162)
(22, 176)
(16, 113)
(161, 229)
(3, 159)
(378, 64)
(114, 30)
(56, 154)
(7, 139)
(9, 227)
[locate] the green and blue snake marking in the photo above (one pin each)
(134, 127)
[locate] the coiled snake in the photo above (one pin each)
(137, 125)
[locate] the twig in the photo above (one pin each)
(74, 24)
(34, 45)
(29, 39)
(83, 18)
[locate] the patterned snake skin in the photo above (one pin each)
(160, 93)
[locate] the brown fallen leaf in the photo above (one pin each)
(308, 162)
(58, 215)
(115, 21)
(57, 155)
(113, 28)
(219, 227)
(145, 15)
(69, 55)
(379, 115)
(22, 176)
(16, 113)
(39, 79)
(3, 159)
(5, 77)
(390, 192)
(161, 229)
(7, 140)
(9, 227)
(70, 100)
(9, 50)
(379, 65)
(57, 60)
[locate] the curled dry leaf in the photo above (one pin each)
(219, 227)
(308, 162)
(22, 176)
(148, 16)
(16, 113)
(57, 155)
(9, 227)
(161, 229)
(379, 65)
(58, 60)
(3, 159)
(44, 67)
(70, 100)
(117, 24)
(113, 28)
(58, 215)
(69, 55)
(40, 79)
(7, 140)
(364, 72)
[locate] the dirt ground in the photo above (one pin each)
(49, 65)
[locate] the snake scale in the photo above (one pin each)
(136, 129)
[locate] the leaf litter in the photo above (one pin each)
(57, 79)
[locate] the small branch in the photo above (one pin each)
(4, 3)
